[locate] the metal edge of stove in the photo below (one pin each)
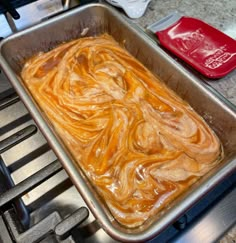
(220, 218)
(4, 27)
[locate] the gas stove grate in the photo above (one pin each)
(52, 226)
(10, 194)
(13, 4)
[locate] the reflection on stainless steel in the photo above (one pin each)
(223, 214)
(4, 231)
(98, 18)
(66, 4)
(11, 22)
(16, 138)
(4, 83)
(34, 12)
(5, 29)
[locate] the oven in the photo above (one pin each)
(38, 202)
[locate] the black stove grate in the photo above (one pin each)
(14, 3)
(52, 226)
(10, 6)
(14, 218)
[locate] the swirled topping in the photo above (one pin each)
(139, 144)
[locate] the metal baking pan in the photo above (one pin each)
(99, 18)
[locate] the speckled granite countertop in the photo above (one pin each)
(218, 13)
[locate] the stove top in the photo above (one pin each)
(31, 13)
(10, 6)
(38, 202)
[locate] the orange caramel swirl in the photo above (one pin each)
(139, 144)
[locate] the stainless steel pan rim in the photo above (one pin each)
(103, 216)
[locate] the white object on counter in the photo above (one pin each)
(133, 8)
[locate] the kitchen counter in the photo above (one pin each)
(219, 13)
